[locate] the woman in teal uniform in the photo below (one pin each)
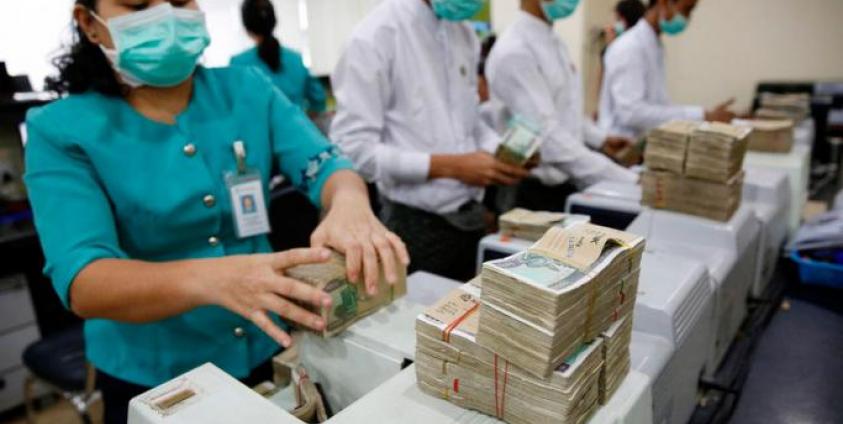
(149, 184)
(282, 65)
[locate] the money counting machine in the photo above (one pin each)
(767, 192)
(365, 380)
(728, 250)
(672, 331)
(610, 204)
(797, 165)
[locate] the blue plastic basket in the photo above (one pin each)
(818, 273)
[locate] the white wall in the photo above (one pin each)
(731, 45)
(31, 31)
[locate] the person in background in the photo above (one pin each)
(148, 183)
(627, 14)
(531, 72)
(282, 65)
(408, 116)
(492, 111)
(634, 99)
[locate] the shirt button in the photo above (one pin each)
(213, 241)
(239, 332)
(209, 200)
(189, 149)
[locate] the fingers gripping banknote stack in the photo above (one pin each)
(542, 336)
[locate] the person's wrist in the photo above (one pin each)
(204, 282)
(443, 166)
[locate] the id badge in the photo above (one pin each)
(245, 188)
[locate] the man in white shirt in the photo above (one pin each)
(634, 97)
(407, 115)
(531, 72)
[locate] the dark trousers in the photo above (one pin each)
(434, 244)
(117, 393)
(535, 196)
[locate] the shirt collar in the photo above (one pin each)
(533, 26)
(421, 12)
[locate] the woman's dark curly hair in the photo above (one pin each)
(83, 66)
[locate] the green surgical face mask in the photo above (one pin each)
(558, 9)
(675, 25)
(456, 10)
(620, 27)
(158, 47)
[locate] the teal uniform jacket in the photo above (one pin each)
(106, 182)
(293, 79)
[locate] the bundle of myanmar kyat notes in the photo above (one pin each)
(708, 199)
(667, 146)
(616, 358)
(531, 225)
(452, 366)
(350, 302)
(772, 136)
(795, 107)
(540, 305)
(520, 143)
(716, 151)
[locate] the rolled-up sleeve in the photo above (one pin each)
(73, 216)
(362, 90)
(304, 155)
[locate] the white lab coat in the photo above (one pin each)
(406, 88)
(634, 97)
(531, 71)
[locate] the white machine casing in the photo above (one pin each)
(377, 346)
(797, 165)
(606, 198)
(728, 249)
(218, 398)
(768, 193)
(676, 303)
(650, 355)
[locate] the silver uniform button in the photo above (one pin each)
(213, 241)
(239, 332)
(189, 149)
(209, 200)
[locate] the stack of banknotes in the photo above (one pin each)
(707, 181)
(451, 365)
(520, 143)
(616, 360)
(539, 306)
(716, 151)
(531, 225)
(667, 146)
(707, 199)
(350, 302)
(795, 107)
(772, 136)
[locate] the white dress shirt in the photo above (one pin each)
(634, 97)
(530, 70)
(495, 114)
(406, 88)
